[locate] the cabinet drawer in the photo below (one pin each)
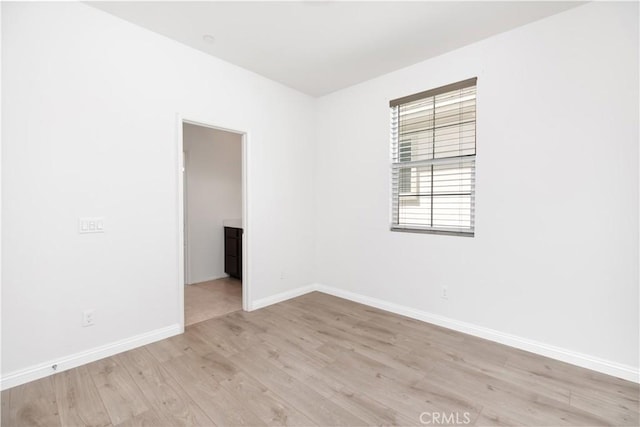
(232, 232)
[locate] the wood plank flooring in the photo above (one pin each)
(206, 300)
(321, 360)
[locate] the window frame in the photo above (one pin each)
(465, 161)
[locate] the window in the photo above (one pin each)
(433, 144)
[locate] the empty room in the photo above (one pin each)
(320, 213)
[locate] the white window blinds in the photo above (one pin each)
(433, 139)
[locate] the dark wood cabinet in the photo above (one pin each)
(233, 252)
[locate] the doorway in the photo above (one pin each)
(213, 279)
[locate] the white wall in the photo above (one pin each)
(555, 255)
(89, 129)
(214, 193)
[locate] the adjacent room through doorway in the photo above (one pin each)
(213, 233)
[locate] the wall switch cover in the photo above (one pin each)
(91, 225)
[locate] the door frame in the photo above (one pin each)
(185, 215)
(246, 255)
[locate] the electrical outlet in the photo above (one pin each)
(444, 292)
(282, 275)
(88, 318)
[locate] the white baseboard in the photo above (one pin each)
(615, 369)
(619, 370)
(283, 296)
(207, 279)
(42, 370)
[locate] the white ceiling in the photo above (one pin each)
(320, 47)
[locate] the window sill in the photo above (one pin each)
(434, 231)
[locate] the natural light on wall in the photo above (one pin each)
(433, 143)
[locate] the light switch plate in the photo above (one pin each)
(91, 225)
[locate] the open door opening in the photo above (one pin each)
(212, 245)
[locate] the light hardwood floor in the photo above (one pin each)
(321, 360)
(206, 300)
